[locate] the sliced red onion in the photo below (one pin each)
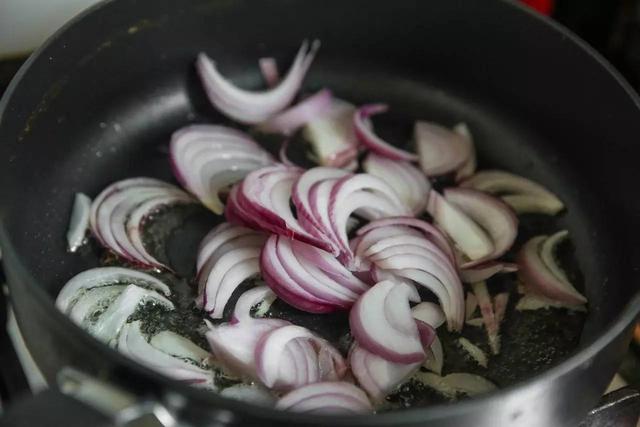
(453, 384)
(468, 236)
(359, 191)
(474, 351)
(78, 222)
(429, 313)
(250, 393)
(430, 232)
(426, 273)
(477, 322)
(255, 297)
(500, 302)
(469, 167)
(537, 302)
(378, 376)
(411, 185)
(486, 270)
(522, 194)
(207, 159)
(105, 276)
(254, 107)
(282, 154)
(540, 272)
(133, 344)
(91, 301)
(233, 257)
(382, 323)
(402, 253)
(213, 244)
(330, 398)
(307, 277)
(363, 242)
(471, 303)
(490, 213)
(435, 358)
(272, 347)
(233, 343)
(373, 142)
(440, 150)
(119, 210)
(178, 346)
(432, 315)
(311, 197)
(263, 202)
(269, 70)
(107, 327)
(491, 323)
(332, 136)
(292, 119)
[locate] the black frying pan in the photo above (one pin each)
(96, 101)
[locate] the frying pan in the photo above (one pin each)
(95, 103)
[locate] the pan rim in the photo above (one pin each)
(582, 357)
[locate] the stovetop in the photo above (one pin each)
(611, 26)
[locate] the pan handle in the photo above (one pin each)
(620, 408)
(81, 400)
(51, 408)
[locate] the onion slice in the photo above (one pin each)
(176, 345)
(407, 181)
(442, 151)
(490, 213)
(430, 232)
(453, 384)
(469, 167)
(540, 272)
(432, 315)
(263, 202)
(536, 302)
(471, 303)
(373, 142)
(382, 323)
(272, 346)
(474, 351)
(468, 236)
(228, 256)
(78, 222)
(332, 136)
(254, 107)
(414, 250)
(491, 323)
(207, 159)
(107, 327)
(105, 276)
(376, 375)
(326, 398)
(429, 313)
(307, 277)
(290, 120)
(119, 211)
(269, 69)
(133, 344)
(361, 191)
(486, 270)
(522, 194)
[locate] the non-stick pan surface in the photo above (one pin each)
(96, 103)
